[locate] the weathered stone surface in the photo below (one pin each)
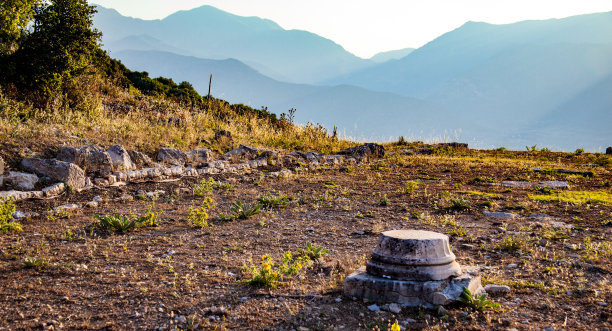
(172, 156)
(91, 158)
(140, 160)
(1, 167)
(365, 151)
(67, 208)
(516, 184)
(499, 214)
(494, 289)
(21, 180)
(411, 293)
(242, 153)
(198, 157)
(413, 255)
(54, 190)
(120, 158)
(69, 173)
(555, 185)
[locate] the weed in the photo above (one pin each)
(270, 201)
(512, 244)
(7, 208)
(150, 218)
(330, 185)
(384, 201)
(244, 211)
(370, 214)
(459, 204)
(476, 303)
(554, 234)
(477, 180)
(409, 187)
(116, 222)
(270, 274)
(577, 197)
(482, 194)
(593, 250)
(457, 232)
(198, 216)
(33, 262)
(313, 252)
(206, 186)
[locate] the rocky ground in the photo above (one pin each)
(530, 221)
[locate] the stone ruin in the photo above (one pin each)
(412, 268)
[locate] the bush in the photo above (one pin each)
(7, 208)
(198, 216)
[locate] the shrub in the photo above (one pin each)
(7, 208)
(459, 204)
(198, 216)
(244, 211)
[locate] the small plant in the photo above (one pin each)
(476, 303)
(554, 234)
(34, 262)
(117, 222)
(198, 216)
(410, 187)
(270, 274)
(206, 186)
(512, 244)
(544, 190)
(226, 218)
(150, 218)
(579, 151)
(313, 252)
(459, 204)
(270, 201)
(533, 148)
(7, 208)
(384, 201)
(370, 214)
(330, 185)
(244, 211)
(401, 141)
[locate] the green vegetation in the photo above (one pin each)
(122, 223)
(482, 194)
(7, 208)
(34, 262)
(270, 200)
(206, 186)
(312, 252)
(198, 216)
(244, 211)
(475, 302)
(459, 204)
(576, 197)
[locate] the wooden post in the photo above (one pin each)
(208, 97)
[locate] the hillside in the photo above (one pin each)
(355, 111)
(391, 55)
(206, 32)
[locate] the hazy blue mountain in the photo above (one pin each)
(502, 80)
(356, 111)
(391, 55)
(207, 32)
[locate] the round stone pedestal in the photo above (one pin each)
(412, 268)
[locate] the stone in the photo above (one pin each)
(494, 289)
(67, 208)
(199, 157)
(171, 156)
(516, 184)
(22, 181)
(91, 158)
(413, 255)
(69, 173)
(140, 160)
(412, 268)
(374, 308)
(242, 153)
(395, 308)
(365, 151)
(120, 158)
(499, 214)
(1, 166)
(609, 151)
(54, 190)
(555, 185)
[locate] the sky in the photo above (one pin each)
(366, 27)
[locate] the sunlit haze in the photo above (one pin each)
(368, 27)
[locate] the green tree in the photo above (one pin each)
(15, 15)
(61, 46)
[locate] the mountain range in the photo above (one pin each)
(533, 82)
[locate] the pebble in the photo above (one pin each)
(511, 266)
(243, 299)
(181, 319)
(338, 300)
(601, 303)
(395, 308)
(374, 308)
(170, 253)
(497, 289)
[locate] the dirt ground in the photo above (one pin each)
(175, 276)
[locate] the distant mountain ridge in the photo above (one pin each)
(207, 32)
(533, 82)
(391, 55)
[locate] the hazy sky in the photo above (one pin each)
(366, 27)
